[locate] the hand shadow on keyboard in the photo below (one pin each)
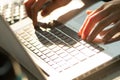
(45, 26)
(58, 34)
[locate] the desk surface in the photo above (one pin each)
(111, 72)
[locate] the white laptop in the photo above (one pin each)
(57, 54)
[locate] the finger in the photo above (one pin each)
(113, 39)
(34, 10)
(28, 5)
(99, 37)
(101, 25)
(112, 33)
(81, 31)
(91, 23)
(54, 5)
(97, 10)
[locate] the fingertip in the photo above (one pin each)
(89, 39)
(82, 34)
(83, 37)
(44, 13)
(89, 11)
(79, 34)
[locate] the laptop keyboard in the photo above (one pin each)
(56, 48)
(13, 11)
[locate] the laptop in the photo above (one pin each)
(56, 54)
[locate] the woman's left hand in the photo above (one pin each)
(33, 7)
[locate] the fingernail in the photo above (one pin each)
(106, 42)
(44, 13)
(79, 34)
(89, 39)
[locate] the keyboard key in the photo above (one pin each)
(60, 52)
(54, 56)
(70, 50)
(61, 45)
(55, 66)
(83, 42)
(50, 63)
(32, 48)
(36, 51)
(88, 52)
(67, 57)
(61, 63)
(73, 53)
(80, 56)
(36, 43)
(96, 50)
(52, 46)
(29, 39)
(56, 49)
(40, 54)
(65, 47)
(50, 54)
(42, 49)
(57, 60)
(47, 60)
(63, 54)
(46, 52)
(29, 46)
(73, 61)
(66, 66)
(87, 45)
(39, 46)
(32, 41)
(59, 69)
(80, 47)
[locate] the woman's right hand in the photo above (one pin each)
(101, 18)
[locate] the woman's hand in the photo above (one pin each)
(99, 19)
(33, 7)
